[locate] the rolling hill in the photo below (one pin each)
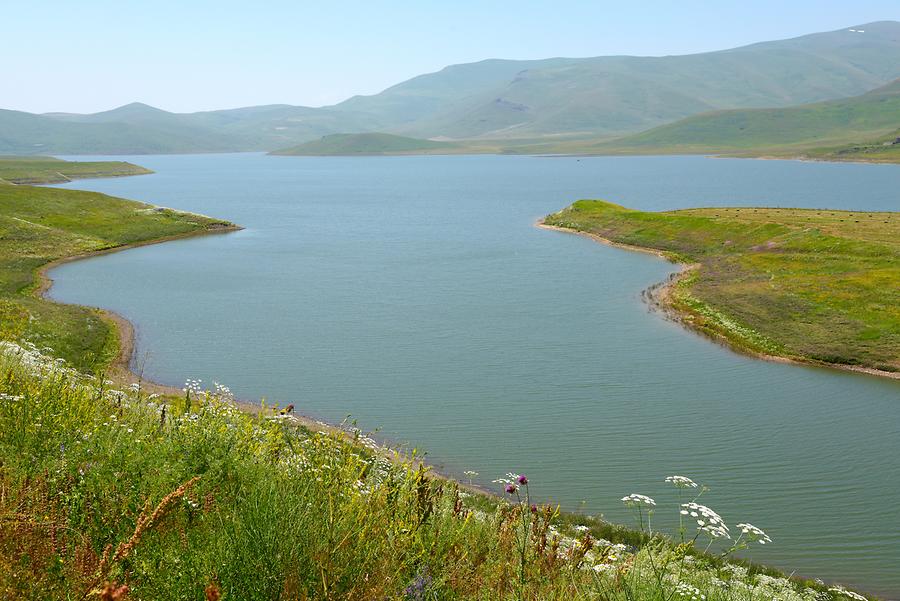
(873, 117)
(511, 101)
(368, 144)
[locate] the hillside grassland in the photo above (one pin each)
(857, 128)
(369, 144)
(41, 225)
(49, 170)
(116, 494)
(809, 285)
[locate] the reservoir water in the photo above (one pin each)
(415, 295)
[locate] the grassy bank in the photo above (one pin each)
(49, 170)
(190, 498)
(809, 285)
(41, 225)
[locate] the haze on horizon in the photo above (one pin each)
(98, 55)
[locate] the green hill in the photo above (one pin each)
(616, 94)
(368, 144)
(851, 121)
(506, 100)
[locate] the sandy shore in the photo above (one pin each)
(659, 296)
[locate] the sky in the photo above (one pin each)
(192, 55)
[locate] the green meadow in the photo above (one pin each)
(811, 285)
(49, 170)
(40, 225)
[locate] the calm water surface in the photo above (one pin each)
(414, 294)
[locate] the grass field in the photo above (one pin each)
(49, 170)
(811, 285)
(40, 225)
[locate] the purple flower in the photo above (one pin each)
(523, 480)
(511, 488)
(419, 586)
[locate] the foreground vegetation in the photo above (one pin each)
(113, 493)
(811, 285)
(41, 225)
(49, 170)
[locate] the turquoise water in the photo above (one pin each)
(414, 294)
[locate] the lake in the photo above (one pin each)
(415, 295)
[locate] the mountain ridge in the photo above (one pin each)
(500, 99)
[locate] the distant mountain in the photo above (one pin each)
(367, 144)
(856, 120)
(609, 95)
(506, 100)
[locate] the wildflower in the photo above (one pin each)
(635, 500)
(687, 591)
(419, 586)
(470, 474)
(511, 488)
(849, 594)
(754, 533)
(707, 520)
(681, 481)
(522, 479)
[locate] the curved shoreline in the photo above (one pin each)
(124, 372)
(659, 296)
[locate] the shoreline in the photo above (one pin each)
(659, 297)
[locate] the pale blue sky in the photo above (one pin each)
(191, 55)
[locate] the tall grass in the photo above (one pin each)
(113, 494)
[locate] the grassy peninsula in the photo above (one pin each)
(816, 286)
(41, 225)
(50, 170)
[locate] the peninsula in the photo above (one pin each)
(806, 285)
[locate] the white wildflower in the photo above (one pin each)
(849, 594)
(707, 520)
(754, 533)
(635, 500)
(681, 481)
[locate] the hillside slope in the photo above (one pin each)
(852, 120)
(367, 144)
